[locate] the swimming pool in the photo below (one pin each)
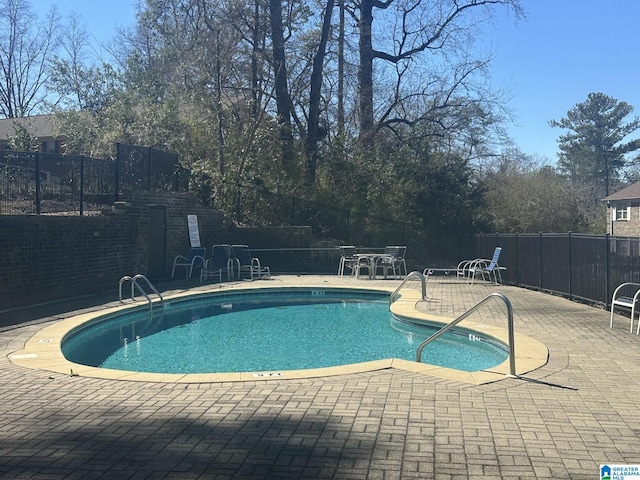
(270, 330)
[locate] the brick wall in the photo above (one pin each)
(178, 206)
(44, 258)
(624, 228)
(47, 257)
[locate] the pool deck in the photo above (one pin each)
(562, 420)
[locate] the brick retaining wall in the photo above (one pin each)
(44, 258)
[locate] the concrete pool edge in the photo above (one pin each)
(530, 354)
(43, 350)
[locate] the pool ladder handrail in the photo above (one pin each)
(134, 283)
(512, 355)
(415, 273)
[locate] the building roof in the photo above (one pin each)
(40, 126)
(632, 192)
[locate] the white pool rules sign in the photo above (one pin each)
(194, 233)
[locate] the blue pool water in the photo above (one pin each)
(270, 332)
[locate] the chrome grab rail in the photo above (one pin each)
(134, 283)
(512, 356)
(423, 281)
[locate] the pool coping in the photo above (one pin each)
(43, 350)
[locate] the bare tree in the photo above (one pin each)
(341, 34)
(69, 83)
(416, 26)
(26, 46)
(283, 100)
(314, 132)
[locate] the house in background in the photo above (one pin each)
(623, 212)
(42, 128)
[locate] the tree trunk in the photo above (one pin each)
(219, 115)
(341, 73)
(365, 74)
(254, 59)
(313, 131)
(283, 100)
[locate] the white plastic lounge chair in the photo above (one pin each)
(619, 299)
(195, 258)
(246, 263)
(219, 262)
(464, 268)
(484, 267)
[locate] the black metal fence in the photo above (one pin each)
(33, 182)
(578, 266)
(348, 227)
(339, 224)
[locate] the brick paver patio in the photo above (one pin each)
(561, 421)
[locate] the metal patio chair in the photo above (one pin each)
(246, 263)
(195, 258)
(219, 262)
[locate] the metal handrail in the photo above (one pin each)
(423, 281)
(512, 355)
(134, 283)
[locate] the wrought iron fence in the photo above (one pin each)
(40, 183)
(258, 206)
(143, 168)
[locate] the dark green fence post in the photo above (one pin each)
(238, 203)
(117, 179)
(607, 277)
(81, 185)
(37, 159)
(293, 210)
(540, 261)
(570, 267)
(149, 169)
(517, 261)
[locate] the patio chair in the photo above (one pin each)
(620, 300)
(195, 258)
(246, 263)
(219, 262)
(392, 259)
(366, 262)
(464, 268)
(399, 260)
(348, 259)
(483, 267)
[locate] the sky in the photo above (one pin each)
(549, 62)
(101, 18)
(564, 50)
